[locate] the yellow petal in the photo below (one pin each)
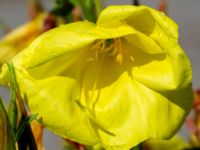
(156, 34)
(57, 111)
(118, 105)
(60, 45)
(19, 38)
(142, 18)
(160, 71)
(175, 143)
(129, 109)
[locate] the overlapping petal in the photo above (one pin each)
(163, 31)
(83, 93)
(176, 143)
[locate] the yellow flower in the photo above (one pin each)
(19, 38)
(118, 82)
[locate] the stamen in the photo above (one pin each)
(131, 57)
(119, 57)
(95, 50)
(111, 47)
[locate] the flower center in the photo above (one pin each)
(110, 47)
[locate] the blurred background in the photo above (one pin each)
(186, 13)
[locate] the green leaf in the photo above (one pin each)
(23, 125)
(75, 2)
(7, 140)
(88, 10)
(24, 134)
(18, 115)
(98, 5)
(12, 110)
(62, 8)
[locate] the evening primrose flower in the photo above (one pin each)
(118, 82)
(19, 38)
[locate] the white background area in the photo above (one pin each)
(185, 12)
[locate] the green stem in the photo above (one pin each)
(98, 4)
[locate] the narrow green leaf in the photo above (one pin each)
(24, 132)
(20, 121)
(7, 140)
(88, 10)
(12, 110)
(62, 8)
(75, 2)
(98, 4)
(23, 125)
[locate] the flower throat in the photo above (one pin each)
(109, 47)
